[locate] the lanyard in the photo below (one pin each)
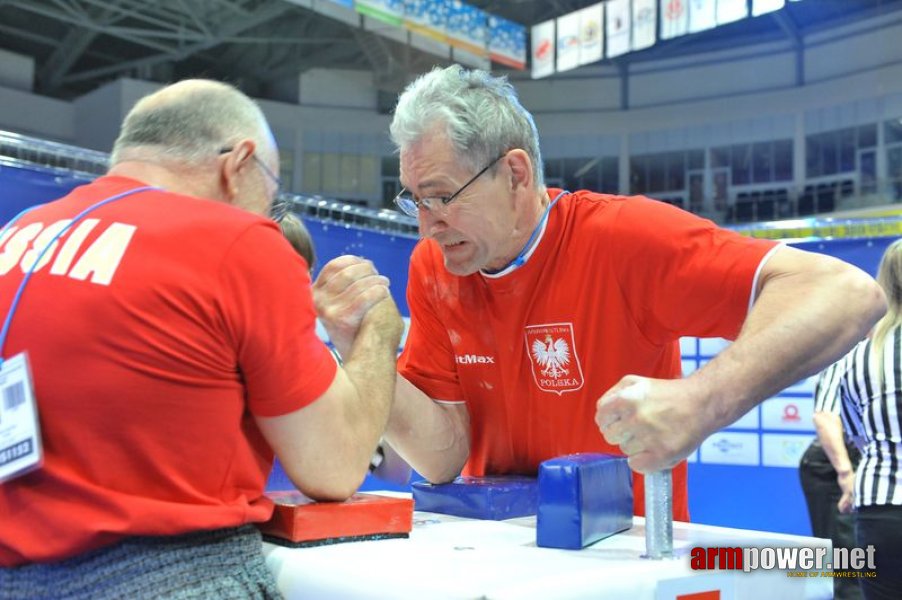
(520, 259)
(15, 303)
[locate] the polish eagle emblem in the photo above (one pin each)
(552, 355)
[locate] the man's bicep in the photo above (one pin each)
(785, 262)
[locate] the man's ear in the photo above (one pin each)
(521, 169)
(232, 166)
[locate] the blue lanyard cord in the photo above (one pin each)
(520, 259)
(15, 303)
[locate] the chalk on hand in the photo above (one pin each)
(491, 498)
(583, 498)
(299, 521)
(637, 391)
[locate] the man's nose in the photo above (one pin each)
(431, 223)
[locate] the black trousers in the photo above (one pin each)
(881, 527)
(822, 492)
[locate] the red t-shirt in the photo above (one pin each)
(156, 328)
(612, 285)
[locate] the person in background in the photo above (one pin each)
(296, 233)
(827, 474)
(173, 353)
(870, 384)
(545, 322)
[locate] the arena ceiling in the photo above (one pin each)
(260, 45)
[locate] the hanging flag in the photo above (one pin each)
(674, 18)
(731, 10)
(543, 49)
(760, 7)
(591, 33)
(507, 42)
(645, 23)
(427, 17)
(466, 28)
(702, 15)
(568, 42)
(387, 11)
(618, 28)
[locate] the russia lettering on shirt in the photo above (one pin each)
(96, 263)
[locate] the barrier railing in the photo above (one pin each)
(23, 151)
(20, 150)
(824, 228)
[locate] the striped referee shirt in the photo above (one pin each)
(826, 391)
(872, 417)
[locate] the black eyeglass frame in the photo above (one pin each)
(410, 205)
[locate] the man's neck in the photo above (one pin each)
(174, 180)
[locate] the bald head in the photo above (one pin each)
(190, 122)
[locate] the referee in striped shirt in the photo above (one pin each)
(827, 475)
(870, 383)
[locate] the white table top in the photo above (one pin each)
(451, 557)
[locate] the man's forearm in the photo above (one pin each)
(433, 438)
(370, 366)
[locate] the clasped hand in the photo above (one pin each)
(345, 291)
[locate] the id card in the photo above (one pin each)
(20, 433)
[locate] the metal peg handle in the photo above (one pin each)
(659, 515)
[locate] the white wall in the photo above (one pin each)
(99, 113)
(16, 71)
(338, 88)
(38, 116)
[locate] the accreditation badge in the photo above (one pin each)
(20, 432)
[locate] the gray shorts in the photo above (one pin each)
(223, 563)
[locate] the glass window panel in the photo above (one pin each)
(311, 183)
(552, 168)
(390, 189)
(867, 169)
(638, 175)
(676, 171)
(589, 174)
(286, 169)
(762, 162)
(783, 160)
(830, 153)
(867, 136)
(894, 171)
(813, 163)
(610, 175)
(696, 159)
(741, 163)
(696, 192)
(892, 131)
(570, 167)
(369, 177)
(657, 173)
(391, 166)
(349, 174)
(847, 150)
(720, 157)
(331, 162)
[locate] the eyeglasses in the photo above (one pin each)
(278, 208)
(411, 205)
